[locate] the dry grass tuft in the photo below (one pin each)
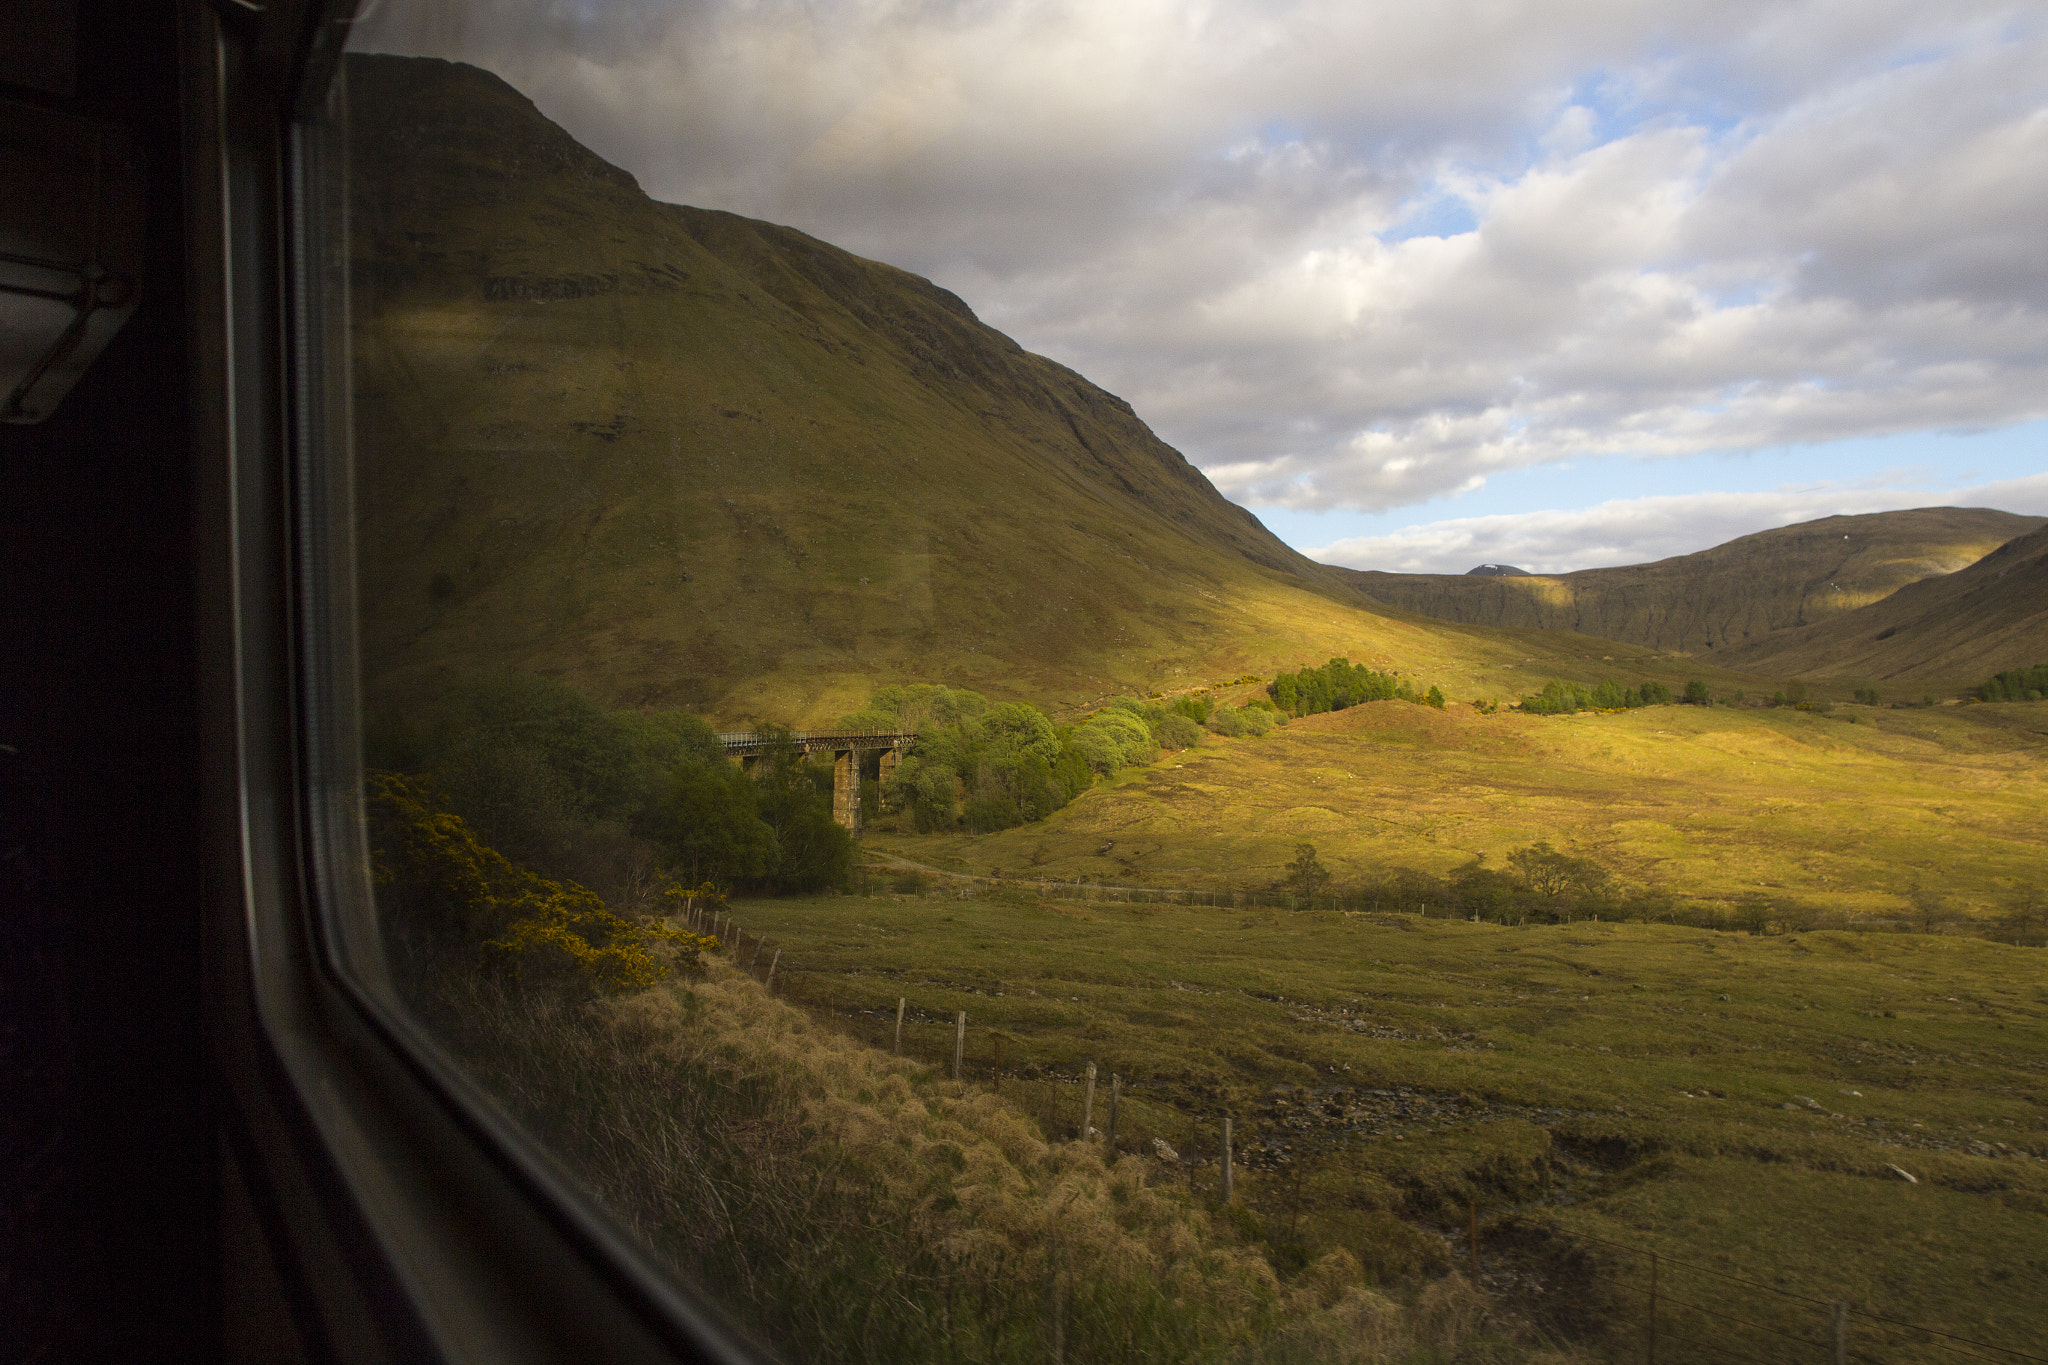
(849, 1205)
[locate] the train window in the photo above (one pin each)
(852, 814)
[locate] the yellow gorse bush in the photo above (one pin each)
(434, 872)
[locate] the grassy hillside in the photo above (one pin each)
(1735, 1104)
(1734, 594)
(1854, 812)
(682, 458)
(1951, 631)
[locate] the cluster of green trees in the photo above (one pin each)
(985, 766)
(1253, 719)
(975, 765)
(1559, 698)
(558, 784)
(1339, 684)
(1540, 884)
(2017, 684)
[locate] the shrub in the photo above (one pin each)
(1175, 730)
(446, 890)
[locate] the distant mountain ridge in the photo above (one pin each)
(1959, 628)
(1737, 594)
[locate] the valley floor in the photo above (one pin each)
(1741, 1106)
(1865, 813)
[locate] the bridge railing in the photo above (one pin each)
(751, 741)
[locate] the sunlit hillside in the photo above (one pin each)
(1862, 811)
(1952, 631)
(1749, 591)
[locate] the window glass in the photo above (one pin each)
(883, 819)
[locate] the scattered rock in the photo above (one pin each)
(1903, 1174)
(1162, 1149)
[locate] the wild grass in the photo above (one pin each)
(846, 1205)
(1730, 1102)
(1865, 814)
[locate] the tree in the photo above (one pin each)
(714, 828)
(1547, 872)
(1696, 693)
(1754, 912)
(1015, 729)
(1930, 908)
(2025, 912)
(812, 850)
(1175, 731)
(1306, 877)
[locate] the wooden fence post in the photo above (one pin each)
(1474, 1206)
(899, 1026)
(1227, 1183)
(1651, 1357)
(1841, 1334)
(771, 970)
(1088, 1105)
(1115, 1088)
(755, 960)
(959, 1041)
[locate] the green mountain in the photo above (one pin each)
(1738, 594)
(679, 457)
(1950, 631)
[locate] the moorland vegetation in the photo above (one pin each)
(1751, 1105)
(842, 1204)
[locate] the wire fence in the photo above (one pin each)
(1741, 1319)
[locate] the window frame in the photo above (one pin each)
(400, 1213)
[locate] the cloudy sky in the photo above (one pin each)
(1558, 284)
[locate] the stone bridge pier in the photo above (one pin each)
(847, 748)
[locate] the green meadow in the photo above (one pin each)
(1857, 815)
(1745, 1107)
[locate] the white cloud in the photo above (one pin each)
(1670, 228)
(1641, 530)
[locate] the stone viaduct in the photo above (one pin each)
(847, 748)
